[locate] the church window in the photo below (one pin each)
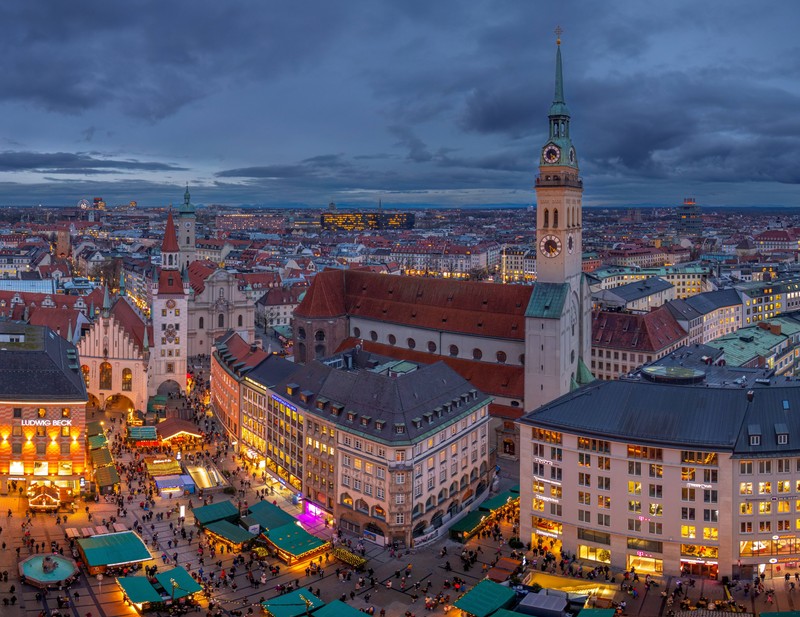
(555, 218)
(127, 380)
(411, 343)
(319, 335)
(501, 357)
(547, 218)
(240, 321)
(200, 323)
(477, 354)
(85, 371)
(105, 376)
(221, 321)
(453, 350)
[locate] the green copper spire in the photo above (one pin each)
(187, 207)
(558, 150)
(559, 106)
(106, 302)
(121, 283)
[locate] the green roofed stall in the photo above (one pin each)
(111, 549)
(97, 441)
(101, 457)
(464, 529)
(293, 543)
(178, 583)
(223, 510)
(94, 428)
(337, 608)
(106, 477)
(498, 501)
(142, 433)
(294, 604)
(485, 598)
(139, 591)
(269, 516)
(230, 533)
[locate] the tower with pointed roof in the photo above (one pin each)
(186, 230)
(558, 319)
(167, 366)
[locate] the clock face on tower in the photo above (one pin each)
(550, 246)
(551, 153)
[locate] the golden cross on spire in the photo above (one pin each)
(558, 32)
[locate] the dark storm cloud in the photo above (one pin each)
(68, 163)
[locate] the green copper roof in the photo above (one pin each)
(547, 300)
(187, 207)
(573, 385)
(584, 374)
(559, 106)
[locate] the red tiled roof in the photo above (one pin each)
(243, 352)
(503, 380)
(169, 282)
(650, 332)
(131, 322)
(170, 243)
(199, 271)
(505, 411)
(483, 309)
(57, 319)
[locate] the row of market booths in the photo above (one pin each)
(491, 511)
(302, 602)
(160, 591)
(106, 477)
(166, 469)
(491, 599)
(262, 525)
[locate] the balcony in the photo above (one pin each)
(560, 180)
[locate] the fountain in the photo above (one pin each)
(47, 570)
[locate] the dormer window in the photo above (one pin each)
(399, 429)
(755, 440)
(783, 439)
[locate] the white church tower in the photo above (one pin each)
(558, 319)
(167, 369)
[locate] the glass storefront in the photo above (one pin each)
(602, 555)
(646, 565)
(699, 567)
(778, 545)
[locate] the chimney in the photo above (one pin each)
(750, 395)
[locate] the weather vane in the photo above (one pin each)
(558, 32)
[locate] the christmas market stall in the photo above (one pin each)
(44, 497)
(139, 592)
(468, 526)
(293, 604)
(485, 598)
(337, 608)
(292, 543)
(233, 536)
(111, 550)
(162, 466)
(350, 558)
(143, 436)
(268, 516)
(160, 591)
(220, 511)
(107, 479)
(177, 430)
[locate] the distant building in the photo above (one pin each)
(359, 221)
(690, 218)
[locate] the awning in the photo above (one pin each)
(469, 523)
(294, 604)
(485, 598)
(216, 512)
(97, 441)
(294, 540)
(142, 433)
(113, 549)
(178, 583)
(177, 427)
(94, 428)
(269, 516)
(101, 457)
(230, 532)
(498, 501)
(106, 476)
(138, 589)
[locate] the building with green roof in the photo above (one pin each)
(222, 510)
(294, 543)
(485, 598)
(294, 604)
(112, 549)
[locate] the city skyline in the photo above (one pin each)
(408, 103)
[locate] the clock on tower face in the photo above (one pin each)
(551, 153)
(550, 246)
(171, 304)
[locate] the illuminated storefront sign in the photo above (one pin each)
(46, 422)
(278, 399)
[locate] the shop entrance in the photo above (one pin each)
(694, 567)
(646, 565)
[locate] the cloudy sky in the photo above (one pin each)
(407, 101)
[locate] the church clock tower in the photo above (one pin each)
(186, 231)
(558, 318)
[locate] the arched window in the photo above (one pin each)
(239, 321)
(411, 343)
(200, 323)
(85, 372)
(546, 217)
(105, 376)
(555, 218)
(127, 380)
(221, 321)
(319, 335)
(431, 346)
(477, 354)
(453, 350)
(501, 357)
(301, 334)
(392, 339)
(373, 336)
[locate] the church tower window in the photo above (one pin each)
(221, 321)
(546, 217)
(200, 323)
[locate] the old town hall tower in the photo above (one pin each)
(558, 319)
